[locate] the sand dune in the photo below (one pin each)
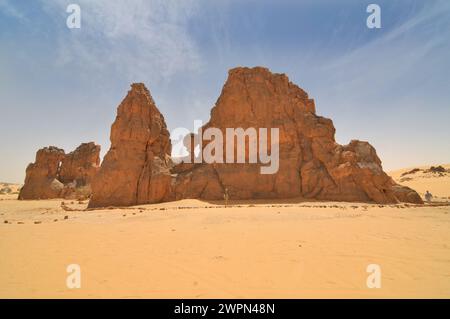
(194, 249)
(421, 179)
(9, 189)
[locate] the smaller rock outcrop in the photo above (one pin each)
(41, 181)
(55, 174)
(81, 165)
(78, 169)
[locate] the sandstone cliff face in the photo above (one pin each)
(41, 181)
(78, 170)
(81, 165)
(136, 168)
(311, 163)
(57, 175)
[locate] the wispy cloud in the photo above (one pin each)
(402, 41)
(382, 62)
(141, 39)
(399, 77)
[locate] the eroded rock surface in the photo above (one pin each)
(41, 181)
(311, 163)
(57, 175)
(78, 170)
(81, 165)
(136, 169)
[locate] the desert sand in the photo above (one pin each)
(421, 181)
(9, 189)
(195, 249)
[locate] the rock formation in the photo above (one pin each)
(81, 165)
(78, 170)
(311, 163)
(41, 181)
(57, 175)
(136, 169)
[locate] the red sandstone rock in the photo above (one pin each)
(78, 169)
(41, 181)
(136, 169)
(81, 165)
(312, 164)
(57, 175)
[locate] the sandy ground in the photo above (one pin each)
(194, 249)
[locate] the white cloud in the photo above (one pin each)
(393, 58)
(139, 39)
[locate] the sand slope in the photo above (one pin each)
(422, 180)
(9, 189)
(194, 249)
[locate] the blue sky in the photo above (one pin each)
(60, 86)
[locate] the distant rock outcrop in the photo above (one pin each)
(136, 169)
(57, 175)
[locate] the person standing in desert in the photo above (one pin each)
(428, 196)
(226, 197)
